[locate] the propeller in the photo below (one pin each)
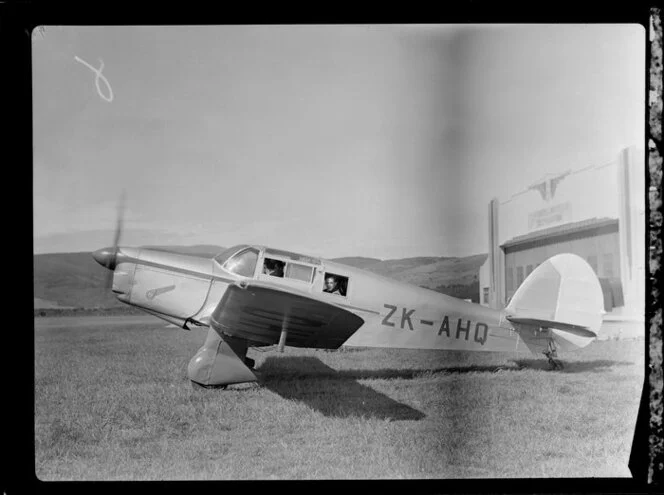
(106, 257)
(116, 238)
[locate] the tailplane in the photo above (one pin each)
(562, 295)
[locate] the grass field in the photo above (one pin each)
(114, 403)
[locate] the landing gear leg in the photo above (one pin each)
(221, 362)
(551, 354)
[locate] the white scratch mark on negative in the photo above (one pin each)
(98, 76)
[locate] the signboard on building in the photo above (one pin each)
(546, 217)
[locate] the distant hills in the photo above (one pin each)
(72, 280)
(202, 250)
(76, 280)
(357, 261)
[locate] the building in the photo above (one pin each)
(595, 240)
(596, 212)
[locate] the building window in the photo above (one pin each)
(607, 265)
(519, 276)
(592, 261)
(509, 275)
(485, 295)
(529, 270)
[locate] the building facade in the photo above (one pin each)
(597, 213)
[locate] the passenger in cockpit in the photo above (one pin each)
(332, 285)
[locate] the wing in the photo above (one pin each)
(258, 312)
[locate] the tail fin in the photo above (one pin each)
(562, 294)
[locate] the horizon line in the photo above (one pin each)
(222, 248)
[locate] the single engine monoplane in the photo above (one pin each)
(256, 296)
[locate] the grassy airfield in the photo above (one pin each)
(112, 402)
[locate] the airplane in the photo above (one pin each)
(257, 296)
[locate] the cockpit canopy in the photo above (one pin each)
(242, 259)
(292, 269)
(222, 257)
(243, 263)
(269, 252)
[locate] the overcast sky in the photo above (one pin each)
(383, 141)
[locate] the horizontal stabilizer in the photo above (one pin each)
(578, 330)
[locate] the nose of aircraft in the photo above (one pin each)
(106, 257)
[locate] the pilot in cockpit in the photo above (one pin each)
(274, 268)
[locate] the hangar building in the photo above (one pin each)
(596, 212)
(595, 240)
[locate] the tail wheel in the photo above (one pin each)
(551, 354)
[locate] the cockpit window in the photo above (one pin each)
(274, 268)
(299, 272)
(292, 256)
(243, 263)
(335, 284)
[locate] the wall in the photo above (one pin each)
(613, 189)
(605, 248)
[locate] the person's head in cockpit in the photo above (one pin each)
(274, 268)
(332, 285)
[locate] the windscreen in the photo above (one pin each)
(243, 263)
(227, 253)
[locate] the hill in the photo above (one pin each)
(70, 279)
(66, 280)
(77, 280)
(431, 272)
(358, 261)
(202, 250)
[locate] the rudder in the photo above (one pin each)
(562, 294)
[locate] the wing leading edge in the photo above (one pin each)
(259, 312)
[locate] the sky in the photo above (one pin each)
(386, 141)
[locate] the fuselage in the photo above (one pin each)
(182, 288)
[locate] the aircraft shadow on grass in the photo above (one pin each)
(337, 393)
(333, 393)
(596, 366)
